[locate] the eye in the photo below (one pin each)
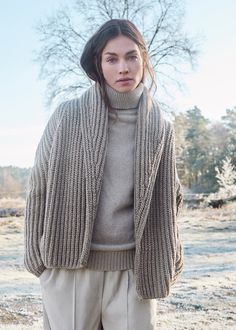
(133, 57)
(111, 60)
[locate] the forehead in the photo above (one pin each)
(120, 45)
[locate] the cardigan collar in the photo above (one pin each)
(149, 135)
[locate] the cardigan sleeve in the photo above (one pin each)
(175, 191)
(35, 198)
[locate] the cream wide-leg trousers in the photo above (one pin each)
(85, 299)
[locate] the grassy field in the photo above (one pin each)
(204, 297)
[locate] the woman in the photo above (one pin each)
(100, 230)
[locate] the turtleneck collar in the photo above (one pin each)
(126, 100)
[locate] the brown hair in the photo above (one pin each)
(92, 54)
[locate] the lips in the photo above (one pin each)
(124, 79)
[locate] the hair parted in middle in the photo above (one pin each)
(92, 54)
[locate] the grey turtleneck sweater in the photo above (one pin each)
(113, 244)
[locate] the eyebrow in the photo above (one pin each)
(128, 53)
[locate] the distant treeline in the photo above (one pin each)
(201, 146)
(13, 181)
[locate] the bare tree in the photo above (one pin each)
(63, 37)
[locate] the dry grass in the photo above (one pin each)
(227, 211)
(8, 202)
(35, 326)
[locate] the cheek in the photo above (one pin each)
(139, 69)
(106, 70)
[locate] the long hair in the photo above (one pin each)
(92, 54)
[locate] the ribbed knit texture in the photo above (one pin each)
(113, 230)
(65, 184)
(111, 260)
(126, 100)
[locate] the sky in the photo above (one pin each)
(23, 115)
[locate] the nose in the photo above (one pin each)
(123, 68)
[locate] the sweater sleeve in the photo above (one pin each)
(36, 195)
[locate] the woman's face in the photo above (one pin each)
(122, 64)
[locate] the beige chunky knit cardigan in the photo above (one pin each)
(64, 189)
